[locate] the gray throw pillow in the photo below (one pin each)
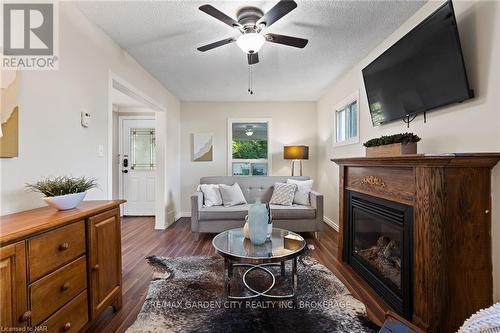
(232, 195)
(283, 194)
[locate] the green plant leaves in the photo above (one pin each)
(249, 149)
(404, 138)
(54, 186)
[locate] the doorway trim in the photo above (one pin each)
(116, 82)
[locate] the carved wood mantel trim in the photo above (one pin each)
(373, 180)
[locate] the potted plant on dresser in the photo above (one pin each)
(392, 145)
(64, 192)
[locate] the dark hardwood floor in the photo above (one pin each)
(139, 239)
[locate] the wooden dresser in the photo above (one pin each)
(450, 200)
(60, 269)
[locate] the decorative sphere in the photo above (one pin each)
(246, 231)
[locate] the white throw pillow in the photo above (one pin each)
(283, 194)
(232, 195)
(211, 195)
(303, 190)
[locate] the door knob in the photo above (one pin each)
(125, 171)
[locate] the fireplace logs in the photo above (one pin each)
(385, 256)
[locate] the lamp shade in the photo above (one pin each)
(296, 152)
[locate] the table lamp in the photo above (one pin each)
(296, 153)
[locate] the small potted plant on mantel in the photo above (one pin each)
(64, 192)
(392, 145)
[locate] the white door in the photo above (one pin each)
(138, 166)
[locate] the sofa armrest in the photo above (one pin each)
(317, 203)
(196, 204)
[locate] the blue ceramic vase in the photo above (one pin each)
(257, 223)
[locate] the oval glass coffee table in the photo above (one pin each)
(238, 251)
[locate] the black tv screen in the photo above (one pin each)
(422, 71)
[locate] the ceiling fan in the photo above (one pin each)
(251, 23)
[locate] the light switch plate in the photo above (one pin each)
(100, 150)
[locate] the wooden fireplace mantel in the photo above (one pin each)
(480, 160)
(451, 200)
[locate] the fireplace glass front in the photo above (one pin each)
(378, 246)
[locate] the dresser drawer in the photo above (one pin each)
(51, 292)
(392, 183)
(71, 318)
(55, 248)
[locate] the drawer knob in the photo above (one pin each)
(65, 286)
(96, 267)
(25, 317)
(63, 246)
(67, 326)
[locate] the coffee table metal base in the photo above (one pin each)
(228, 275)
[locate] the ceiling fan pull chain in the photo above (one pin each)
(249, 69)
(250, 80)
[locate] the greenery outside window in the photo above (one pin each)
(346, 121)
(248, 149)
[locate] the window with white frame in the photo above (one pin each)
(346, 122)
(248, 151)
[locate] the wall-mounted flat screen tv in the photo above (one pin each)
(424, 70)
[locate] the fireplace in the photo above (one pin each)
(378, 247)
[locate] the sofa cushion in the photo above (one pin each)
(232, 195)
(295, 212)
(303, 189)
(211, 195)
(255, 187)
(224, 213)
(283, 194)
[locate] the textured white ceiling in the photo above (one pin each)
(163, 36)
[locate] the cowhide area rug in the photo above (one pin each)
(186, 295)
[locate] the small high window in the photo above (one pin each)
(346, 122)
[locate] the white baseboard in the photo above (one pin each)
(182, 214)
(171, 218)
(331, 223)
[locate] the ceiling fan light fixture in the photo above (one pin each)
(250, 42)
(249, 130)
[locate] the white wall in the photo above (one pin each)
(473, 126)
(292, 123)
(51, 140)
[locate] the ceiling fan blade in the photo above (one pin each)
(214, 12)
(216, 44)
(278, 11)
(287, 40)
(253, 58)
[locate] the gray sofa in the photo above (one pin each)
(219, 218)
